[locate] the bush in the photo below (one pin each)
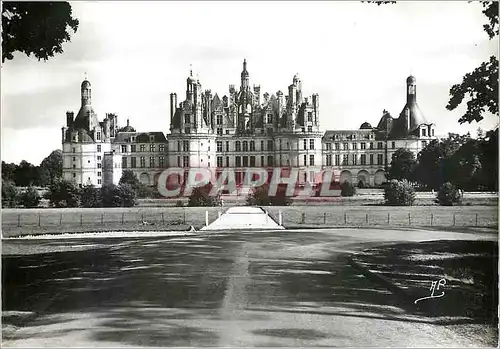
(30, 198)
(448, 195)
(347, 189)
(63, 193)
(399, 193)
(201, 197)
(91, 197)
(10, 194)
(179, 203)
(122, 195)
(127, 195)
(259, 196)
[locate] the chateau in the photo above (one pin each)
(242, 129)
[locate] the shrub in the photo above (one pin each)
(399, 193)
(259, 196)
(10, 194)
(179, 203)
(127, 195)
(91, 197)
(63, 193)
(122, 195)
(30, 198)
(347, 189)
(448, 195)
(201, 197)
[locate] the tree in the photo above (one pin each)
(403, 165)
(201, 196)
(38, 28)
(259, 196)
(26, 174)
(399, 193)
(448, 195)
(10, 194)
(141, 190)
(128, 195)
(8, 171)
(481, 85)
(90, 197)
(30, 198)
(110, 196)
(347, 189)
(63, 193)
(51, 168)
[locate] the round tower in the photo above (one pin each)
(86, 93)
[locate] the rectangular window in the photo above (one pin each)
(305, 160)
(219, 131)
(371, 159)
(328, 146)
(393, 144)
(311, 160)
(187, 119)
(311, 144)
(219, 119)
(371, 145)
(354, 159)
(99, 157)
(143, 147)
(252, 145)
(185, 145)
(133, 148)
(179, 146)
(424, 132)
(161, 162)
(133, 162)
(74, 175)
(98, 136)
(238, 161)
(329, 160)
(270, 160)
(99, 165)
(303, 130)
(363, 146)
(152, 148)
(238, 146)
(270, 145)
(74, 150)
(355, 146)
(245, 161)
(227, 146)
(99, 174)
(262, 161)
(337, 146)
(252, 161)
(245, 146)
(310, 116)
(337, 160)
(74, 158)
(227, 132)
(98, 148)
(152, 161)
(309, 128)
(219, 146)
(424, 144)
(227, 161)
(363, 159)
(345, 160)
(74, 166)
(187, 130)
(124, 148)
(380, 159)
(262, 145)
(99, 181)
(380, 145)
(346, 146)
(185, 161)
(219, 161)
(143, 161)
(305, 144)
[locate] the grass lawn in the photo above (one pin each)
(35, 221)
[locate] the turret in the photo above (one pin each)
(69, 118)
(64, 129)
(411, 90)
(245, 77)
(86, 93)
(190, 86)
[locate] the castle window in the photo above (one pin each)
(185, 161)
(161, 162)
(151, 161)
(74, 158)
(238, 146)
(219, 119)
(219, 131)
(124, 148)
(270, 160)
(245, 161)
(262, 145)
(371, 145)
(303, 130)
(98, 148)
(337, 160)
(133, 139)
(99, 181)
(354, 159)
(270, 145)
(380, 159)
(187, 130)
(227, 146)
(309, 128)
(424, 144)
(124, 162)
(305, 144)
(152, 148)
(227, 161)
(143, 161)
(238, 161)
(99, 165)
(178, 161)
(219, 147)
(133, 162)
(252, 145)
(74, 175)
(99, 174)
(227, 132)
(363, 159)
(363, 146)
(329, 160)
(269, 118)
(311, 144)
(133, 148)
(74, 150)
(393, 144)
(311, 160)
(219, 161)
(161, 148)
(252, 161)
(337, 146)
(345, 159)
(74, 166)
(305, 160)
(143, 147)
(432, 132)
(98, 136)
(328, 147)
(185, 145)
(424, 132)
(310, 116)
(371, 159)
(152, 138)
(187, 119)
(380, 145)
(346, 146)
(245, 146)
(355, 146)
(262, 161)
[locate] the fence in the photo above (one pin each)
(23, 221)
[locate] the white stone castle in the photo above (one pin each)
(240, 130)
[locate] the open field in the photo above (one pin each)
(38, 221)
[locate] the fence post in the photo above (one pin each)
(324, 217)
(184, 216)
(432, 218)
(280, 218)
(81, 219)
(388, 217)
(345, 218)
(206, 218)
(453, 219)
(39, 220)
(123, 216)
(409, 218)
(142, 217)
(60, 220)
(476, 219)
(162, 219)
(367, 218)
(19, 220)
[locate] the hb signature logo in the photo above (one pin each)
(434, 287)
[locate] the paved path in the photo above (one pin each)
(244, 218)
(281, 288)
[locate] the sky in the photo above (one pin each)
(355, 55)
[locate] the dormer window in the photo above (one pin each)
(98, 136)
(151, 138)
(424, 132)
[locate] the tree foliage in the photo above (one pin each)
(448, 195)
(9, 194)
(201, 197)
(347, 189)
(480, 86)
(259, 196)
(399, 193)
(51, 168)
(36, 28)
(30, 198)
(403, 165)
(90, 197)
(63, 193)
